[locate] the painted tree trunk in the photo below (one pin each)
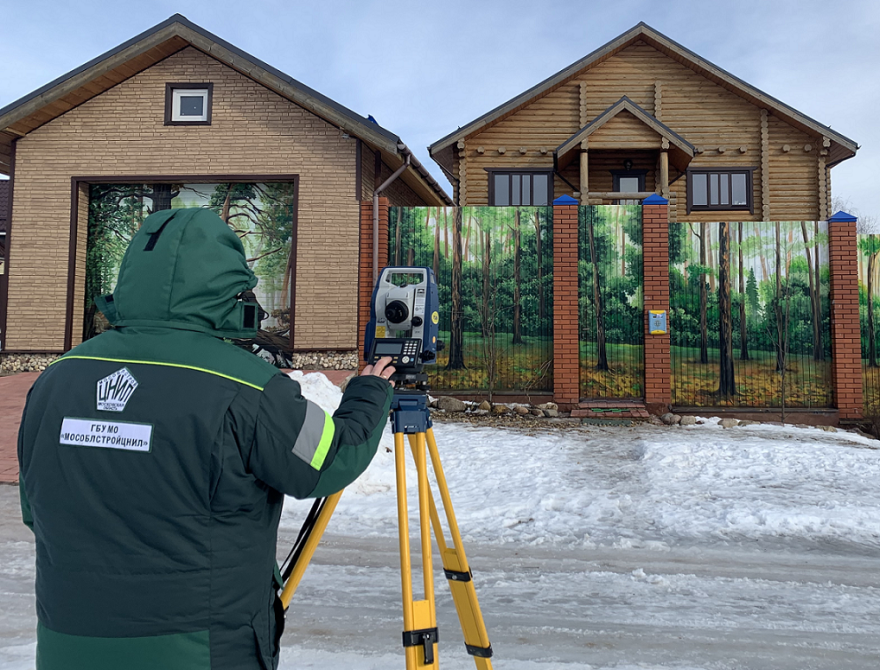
(704, 300)
(780, 358)
(456, 335)
(487, 256)
(397, 235)
(765, 274)
(517, 308)
(162, 197)
(445, 233)
(540, 265)
(872, 340)
(817, 279)
(437, 245)
(815, 305)
(602, 354)
(726, 377)
(743, 324)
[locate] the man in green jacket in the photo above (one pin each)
(155, 459)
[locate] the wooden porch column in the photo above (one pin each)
(585, 174)
(566, 355)
(655, 252)
(664, 170)
(365, 265)
(846, 343)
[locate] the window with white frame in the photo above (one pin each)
(188, 104)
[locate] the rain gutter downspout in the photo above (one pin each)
(376, 193)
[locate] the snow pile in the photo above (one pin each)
(317, 388)
(639, 487)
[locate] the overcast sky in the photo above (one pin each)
(423, 69)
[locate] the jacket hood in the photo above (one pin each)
(184, 269)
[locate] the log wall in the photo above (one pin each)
(725, 129)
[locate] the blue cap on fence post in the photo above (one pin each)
(565, 200)
(655, 199)
(843, 217)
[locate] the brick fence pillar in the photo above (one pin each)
(365, 265)
(846, 344)
(566, 356)
(655, 254)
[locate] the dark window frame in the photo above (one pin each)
(530, 172)
(169, 103)
(727, 171)
(79, 188)
(617, 174)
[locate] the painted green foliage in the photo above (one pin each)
(611, 331)
(494, 268)
(869, 317)
(260, 214)
(747, 301)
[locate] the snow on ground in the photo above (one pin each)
(645, 486)
(594, 548)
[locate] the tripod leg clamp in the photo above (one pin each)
(458, 576)
(479, 652)
(426, 638)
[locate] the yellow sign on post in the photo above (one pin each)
(657, 322)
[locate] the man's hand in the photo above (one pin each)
(380, 369)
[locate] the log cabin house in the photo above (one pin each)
(641, 115)
(171, 109)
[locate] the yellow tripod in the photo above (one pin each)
(410, 416)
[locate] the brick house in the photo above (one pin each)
(177, 112)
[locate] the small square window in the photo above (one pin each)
(188, 104)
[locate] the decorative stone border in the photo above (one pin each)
(325, 360)
(31, 362)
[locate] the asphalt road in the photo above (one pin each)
(718, 609)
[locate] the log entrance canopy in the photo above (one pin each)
(625, 126)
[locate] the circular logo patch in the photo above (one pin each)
(435, 318)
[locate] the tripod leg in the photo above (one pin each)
(476, 637)
(419, 619)
(305, 557)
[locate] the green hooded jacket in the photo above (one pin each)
(154, 462)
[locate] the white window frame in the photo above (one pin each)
(173, 96)
(179, 93)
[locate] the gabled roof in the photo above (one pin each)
(682, 150)
(841, 149)
(137, 54)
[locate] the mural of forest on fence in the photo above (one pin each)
(747, 302)
(610, 299)
(494, 269)
(260, 214)
(869, 320)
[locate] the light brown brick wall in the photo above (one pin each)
(365, 276)
(566, 358)
(121, 132)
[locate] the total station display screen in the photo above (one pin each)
(388, 348)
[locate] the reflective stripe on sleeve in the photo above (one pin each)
(315, 436)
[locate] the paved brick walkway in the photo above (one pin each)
(13, 392)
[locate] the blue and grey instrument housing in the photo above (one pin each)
(404, 319)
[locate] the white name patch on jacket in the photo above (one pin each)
(107, 434)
